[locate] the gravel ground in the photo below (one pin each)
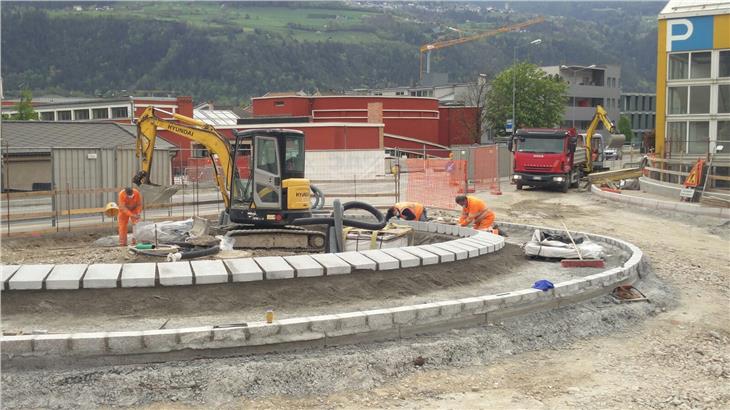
(670, 353)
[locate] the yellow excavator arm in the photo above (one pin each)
(601, 117)
(192, 129)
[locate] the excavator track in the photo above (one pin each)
(284, 238)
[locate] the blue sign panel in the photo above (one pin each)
(692, 33)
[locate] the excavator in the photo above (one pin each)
(260, 208)
(594, 142)
(266, 209)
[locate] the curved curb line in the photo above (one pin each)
(323, 330)
(649, 203)
(129, 275)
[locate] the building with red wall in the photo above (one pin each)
(409, 122)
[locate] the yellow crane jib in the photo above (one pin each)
(427, 48)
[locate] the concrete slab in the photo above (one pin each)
(384, 261)
(443, 254)
(29, 277)
(7, 272)
(305, 266)
(175, 273)
(213, 271)
(459, 252)
(102, 275)
(66, 276)
(481, 248)
(472, 249)
(275, 267)
(357, 260)
(244, 270)
(407, 260)
(427, 258)
(333, 265)
(138, 275)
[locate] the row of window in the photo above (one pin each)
(84, 114)
(642, 121)
(693, 137)
(698, 64)
(638, 103)
(696, 99)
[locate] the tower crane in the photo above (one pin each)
(427, 48)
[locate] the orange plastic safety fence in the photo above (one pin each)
(486, 168)
(433, 182)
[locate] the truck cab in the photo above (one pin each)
(547, 157)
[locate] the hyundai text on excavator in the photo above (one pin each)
(560, 157)
(259, 208)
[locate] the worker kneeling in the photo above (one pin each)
(130, 206)
(410, 211)
(474, 210)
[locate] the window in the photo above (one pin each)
(119, 112)
(294, 155)
(81, 114)
(677, 100)
(266, 155)
(699, 99)
(199, 151)
(100, 113)
(700, 65)
(64, 115)
(399, 93)
(48, 116)
(723, 134)
(723, 98)
(678, 66)
(724, 64)
(677, 136)
(699, 137)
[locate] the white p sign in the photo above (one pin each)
(672, 34)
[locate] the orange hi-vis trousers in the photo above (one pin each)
(129, 208)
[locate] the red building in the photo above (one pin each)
(409, 122)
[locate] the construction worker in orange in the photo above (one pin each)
(475, 211)
(130, 206)
(410, 211)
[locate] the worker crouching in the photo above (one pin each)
(130, 206)
(475, 211)
(410, 211)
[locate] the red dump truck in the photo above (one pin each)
(548, 157)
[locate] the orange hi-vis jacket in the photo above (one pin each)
(415, 207)
(474, 209)
(129, 206)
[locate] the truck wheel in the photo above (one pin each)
(566, 184)
(519, 186)
(577, 176)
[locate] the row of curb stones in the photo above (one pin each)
(650, 203)
(326, 330)
(111, 275)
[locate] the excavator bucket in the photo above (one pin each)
(156, 194)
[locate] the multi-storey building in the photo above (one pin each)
(640, 109)
(693, 89)
(589, 86)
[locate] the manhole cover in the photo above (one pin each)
(628, 293)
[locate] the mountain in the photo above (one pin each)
(229, 52)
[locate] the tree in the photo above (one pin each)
(624, 127)
(476, 96)
(25, 107)
(539, 98)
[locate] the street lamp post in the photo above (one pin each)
(576, 71)
(514, 75)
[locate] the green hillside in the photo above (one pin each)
(229, 52)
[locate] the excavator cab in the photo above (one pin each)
(275, 192)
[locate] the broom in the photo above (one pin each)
(581, 263)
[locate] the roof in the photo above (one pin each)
(216, 117)
(59, 134)
(690, 8)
